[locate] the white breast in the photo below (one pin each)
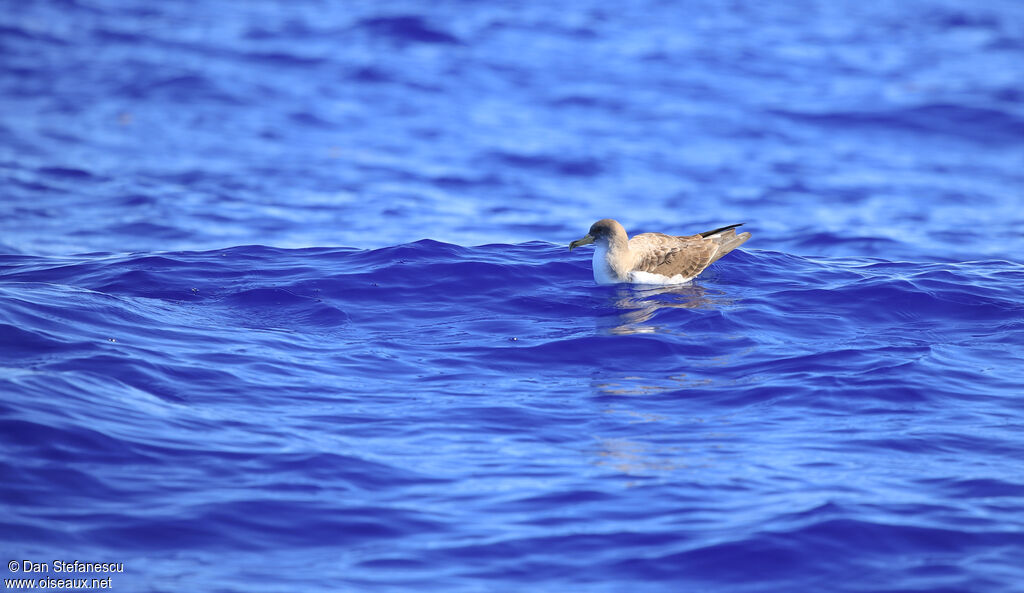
(602, 269)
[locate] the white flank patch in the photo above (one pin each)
(649, 278)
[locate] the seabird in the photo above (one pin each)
(655, 258)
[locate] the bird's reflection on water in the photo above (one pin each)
(635, 385)
(639, 303)
(658, 453)
(636, 308)
(660, 444)
(637, 458)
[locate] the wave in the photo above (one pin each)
(530, 306)
(407, 28)
(976, 123)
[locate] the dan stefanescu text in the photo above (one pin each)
(75, 566)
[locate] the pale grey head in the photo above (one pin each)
(602, 231)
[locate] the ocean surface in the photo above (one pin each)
(286, 302)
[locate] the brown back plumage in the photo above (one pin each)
(666, 255)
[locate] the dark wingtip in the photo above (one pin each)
(721, 230)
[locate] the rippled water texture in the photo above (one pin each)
(286, 302)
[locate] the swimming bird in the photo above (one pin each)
(655, 258)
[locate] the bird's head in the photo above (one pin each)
(600, 232)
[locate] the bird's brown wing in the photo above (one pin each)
(656, 253)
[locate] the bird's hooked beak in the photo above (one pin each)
(581, 242)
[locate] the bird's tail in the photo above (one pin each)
(727, 240)
(707, 234)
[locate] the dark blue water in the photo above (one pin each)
(286, 302)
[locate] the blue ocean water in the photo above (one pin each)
(286, 301)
